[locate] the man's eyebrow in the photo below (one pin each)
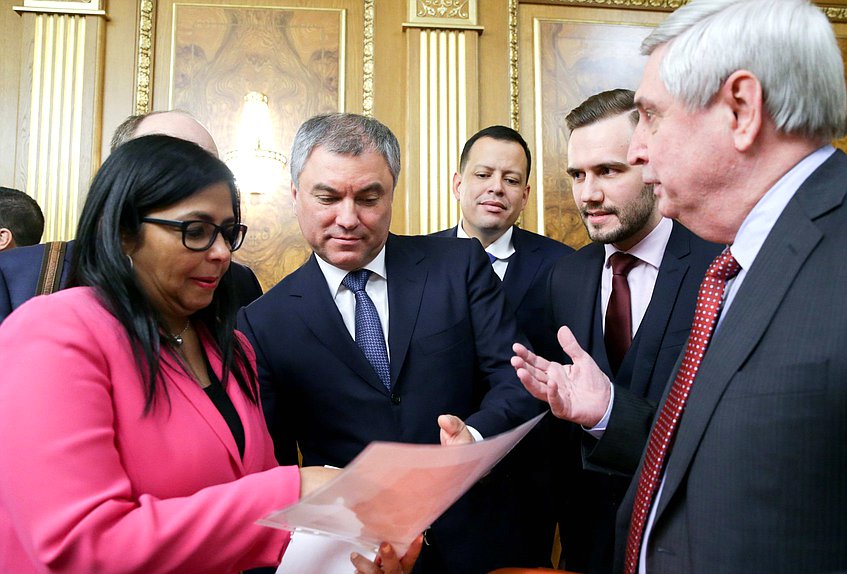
(641, 102)
(324, 187)
(375, 186)
(618, 165)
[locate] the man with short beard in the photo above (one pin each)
(662, 277)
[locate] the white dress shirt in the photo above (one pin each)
(642, 277)
(502, 249)
(345, 300)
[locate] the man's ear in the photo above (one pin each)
(7, 240)
(457, 179)
(742, 93)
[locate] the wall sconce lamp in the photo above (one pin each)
(257, 166)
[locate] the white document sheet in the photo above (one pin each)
(392, 492)
(309, 553)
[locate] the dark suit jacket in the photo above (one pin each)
(526, 277)
(590, 502)
(450, 335)
(20, 267)
(530, 463)
(756, 480)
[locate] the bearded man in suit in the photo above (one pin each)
(664, 264)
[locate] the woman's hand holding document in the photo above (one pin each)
(392, 492)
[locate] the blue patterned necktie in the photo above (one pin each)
(369, 334)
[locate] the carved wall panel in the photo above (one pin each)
(208, 58)
(567, 57)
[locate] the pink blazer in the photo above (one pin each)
(88, 483)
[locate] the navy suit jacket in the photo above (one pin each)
(529, 466)
(590, 502)
(525, 282)
(450, 335)
(20, 267)
(756, 478)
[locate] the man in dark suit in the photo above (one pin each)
(20, 268)
(745, 468)
(621, 216)
(377, 335)
(492, 188)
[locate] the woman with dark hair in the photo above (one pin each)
(133, 437)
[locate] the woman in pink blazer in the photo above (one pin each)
(132, 434)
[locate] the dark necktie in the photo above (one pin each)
(369, 336)
(491, 257)
(618, 334)
(722, 269)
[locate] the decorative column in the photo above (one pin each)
(60, 104)
(443, 67)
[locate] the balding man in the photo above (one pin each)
(20, 268)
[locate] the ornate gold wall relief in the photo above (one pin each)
(225, 61)
(289, 62)
(563, 61)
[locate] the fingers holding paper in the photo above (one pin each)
(578, 392)
(454, 430)
(387, 561)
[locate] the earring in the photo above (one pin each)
(128, 256)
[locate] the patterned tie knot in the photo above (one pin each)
(724, 267)
(356, 280)
(622, 263)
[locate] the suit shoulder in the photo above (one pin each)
(542, 242)
(449, 232)
(434, 243)
(22, 256)
(585, 254)
(280, 293)
(701, 251)
(76, 305)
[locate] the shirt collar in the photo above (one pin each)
(651, 249)
(334, 276)
(760, 221)
(501, 249)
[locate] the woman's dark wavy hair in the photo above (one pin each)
(141, 176)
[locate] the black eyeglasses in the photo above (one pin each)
(199, 235)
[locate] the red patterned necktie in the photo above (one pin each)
(722, 269)
(618, 332)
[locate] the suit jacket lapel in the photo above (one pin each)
(320, 315)
(204, 406)
(407, 276)
(522, 268)
(787, 247)
(583, 296)
(654, 324)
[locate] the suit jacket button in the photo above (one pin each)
(395, 399)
